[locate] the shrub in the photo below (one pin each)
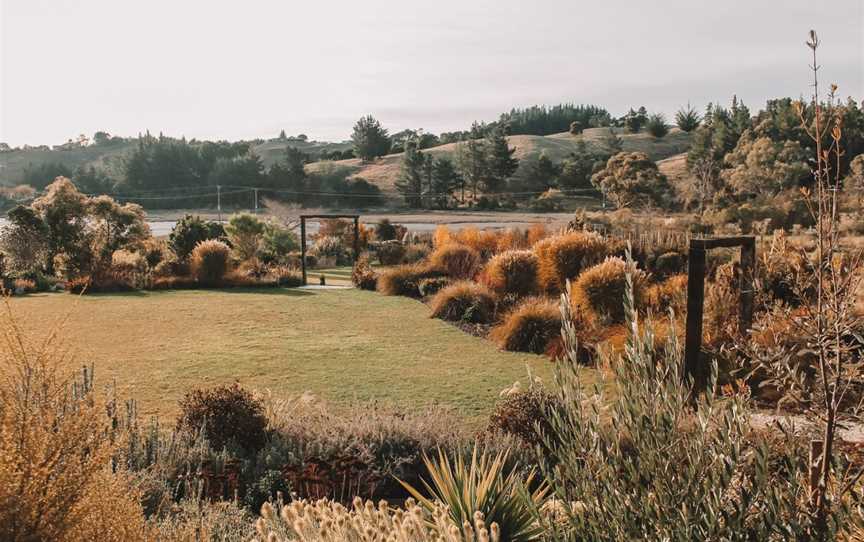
(416, 252)
(286, 276)
(189, 232)
(387, 231)
(464, 301)
(524, 414)
(668, 264)
(153, 251)
(174, 282)
(564, 257)
(513, 272)
(484, 242)
(363, 276)
(669, 294)
(56, 450)
(171, 267)
(657, 126)
(529, 327)
(277, 243)
(129, 263)
(535, 233)
(390, 252)
(599, 291)
(210, 261)
(328, 246)
(404, 279)
(102, 283)
(483, 486)
(23, 286)
(431, 286)
(228, 414)
(441, 236)
(456, 261)
(245, 232)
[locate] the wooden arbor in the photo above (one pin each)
(303, 218)
(696, 297)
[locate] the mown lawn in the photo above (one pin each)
(342, 345)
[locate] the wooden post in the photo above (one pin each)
(748, 264)
(356, 238)
(303, 247)
(695, 302)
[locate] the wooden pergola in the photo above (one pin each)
(303, 218)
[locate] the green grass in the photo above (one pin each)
(342, 345)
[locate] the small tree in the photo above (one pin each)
(245, 232)
(657, 126)
(635, 120)
(855, 180)
(687, 118)
(632, 179)
(370, 139)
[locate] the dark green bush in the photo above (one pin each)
(228, 414)
(190, 231)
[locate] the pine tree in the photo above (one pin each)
(410, 181)
(502, 165)
(473, 164)
(687, 119)
(370, 139)
(445, 180)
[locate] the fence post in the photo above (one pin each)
(303, 247)
(356, 238)
(695, 302)
(748, 264)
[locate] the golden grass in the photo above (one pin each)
(341, 345)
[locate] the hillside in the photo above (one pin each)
(110, 157)
(384, 171)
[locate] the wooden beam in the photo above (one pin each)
(695, 305)
(303, 247)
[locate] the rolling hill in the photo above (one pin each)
(384, 171)
(110, 157)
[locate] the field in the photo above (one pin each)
(340, 345)
(384, 171)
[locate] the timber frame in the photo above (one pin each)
(303, 218)
(696, 298)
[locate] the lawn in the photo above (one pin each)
(342, 345)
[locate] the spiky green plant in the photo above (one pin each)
(484, 486)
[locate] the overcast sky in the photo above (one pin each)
(221, 69)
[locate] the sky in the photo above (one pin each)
(220, 69)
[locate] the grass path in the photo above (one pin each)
(340, 345)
